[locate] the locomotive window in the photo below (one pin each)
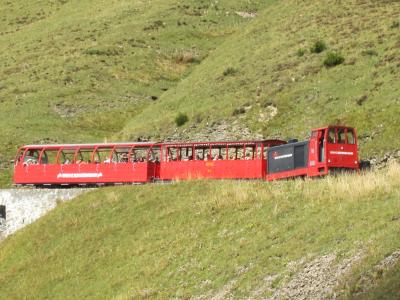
(49, 157)
(331, 136)
(350, 137)
(341, 136)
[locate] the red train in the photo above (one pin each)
(329, 148)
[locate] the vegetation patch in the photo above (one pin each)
(230, 71)
(318, 47)
(333, 59)
(181, 119)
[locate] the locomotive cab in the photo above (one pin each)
(332, 148)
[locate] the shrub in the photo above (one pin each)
(333, 59)
(301, 52)
(395, 24)
(229, 71)
(181, 119)
(318, 47)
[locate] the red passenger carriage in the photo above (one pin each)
(86, 164)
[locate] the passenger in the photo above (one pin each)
(124, 157)
(107, 160)
(220, 157)
(247, 156)
(67, 161)
(96, 160)
(216, 157)
(198, 157)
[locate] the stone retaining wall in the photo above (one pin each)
(24, 206)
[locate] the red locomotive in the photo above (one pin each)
(329, 148)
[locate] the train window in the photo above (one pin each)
(102, 155)
(331, 136)
(139, 155)
(199, 153)
(32, 157)
(341, 136)
(84, 156)
(49, 157)
(155, 154)
(67, 156)
(186, 153)
(120, 155)
(216, 153)
(350, 137)
(249, 153)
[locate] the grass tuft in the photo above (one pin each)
(333, 59)
(318, 47)
(181, 119)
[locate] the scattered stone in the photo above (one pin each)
(246, 15)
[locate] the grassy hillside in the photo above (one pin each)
(267, 76)
(76, 71)
(211, 239)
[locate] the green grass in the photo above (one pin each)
(268, 69)
(77, 71)
(192, 238)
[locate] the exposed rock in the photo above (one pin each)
(245, 14)
(221, 131)
(383, 161)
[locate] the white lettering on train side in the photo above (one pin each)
(283, 156)
(80, 175)
(341, 153)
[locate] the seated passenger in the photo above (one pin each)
(247, 156)
(67, 161)
(198, 157)
(124, 157)
(107, 160)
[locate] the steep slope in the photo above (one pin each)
(267, 77)
(213, 239)
(75, 71)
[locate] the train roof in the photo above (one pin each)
(126, 144)
(246, 142)
(149, 144)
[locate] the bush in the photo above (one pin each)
(318, 47)
(230, 71)
(333, 59)
(301, 52)
(181, 119)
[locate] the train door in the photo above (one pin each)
(317, 146)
